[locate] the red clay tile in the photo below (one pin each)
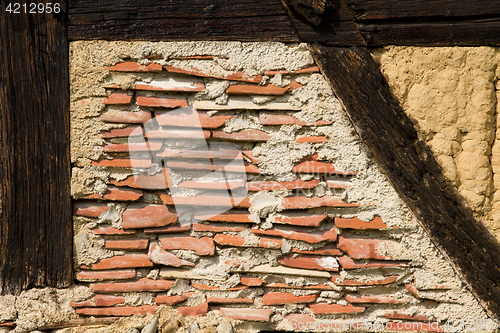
(300, 320)
(202, 154)
(202, 246)
(279, 298)
(353, 283)
(313, 69)
(402, 316)
(327, 250)
(206, 165)
(155, 182)
(122, 132)
(315, 167)
(125, 261)
(118, 98)
(229, 216)
(213, 185)
(117, 194)
(142, 215)
(126, 244)
(229, 240)
(99, 300)
(348, 263)
(89, 209)
(128, 117)
(270, 243)
(313, 237)
(118, 311)
(221, 300)
(161, 102)
(207, 287)
(312, 139)
(168, 230)
(178, 134)
(119, 274)
(273, 185)
(325, 308)
(247, 314)
(251, 281)
(237, 76)
(192, 119)
(307, 220)
(251, 135)
(338, 184)
(269, 89)
(249, 154)
(122, 163)
(113, 231)
(282, 285)
(172, 300)
(376, 299)
(199, 310)
(273, 118)
(204, 200)
(141, 285)
(310, 262)
(303, 202)
(361, 248)
(412, 290)
(170, 85)
(159, 256)
(130, 66)
(123, 147)
(355, 223)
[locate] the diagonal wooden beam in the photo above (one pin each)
(412, 169)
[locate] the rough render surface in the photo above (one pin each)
(369, 260)
(451, 94)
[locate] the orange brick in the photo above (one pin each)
(247, 314)
(303, 202)
(229, 216)
(123, 148)
(127, 117)
(270, 243)
(160, 256)
(310, 262)
(192, 119)
(348, 263)
(221, 300)
(199, 310)
(283, 285)
(177, 134)
(328, 250)
(89, 210)
(237, 76)
(312, 139)
(168, 230)
(125, 261)
(252, 135)
(118, 311)
(155, 182)
(172, 300)
(350, 282)
(161, 102)
(313, 69)
(119, 274)
(355, 223)
(376, 299)
(122, 163)
(313, 237)
(361, 248)
(126, 244)
(207, 287)
(269, 89)
(213, 185)
(123, 132)
(202, 246)
(113, 231)
(141, 215)
(325, 308)
(279, 298)
(306, 220)
(100, 300)
(251, 281)
(229, 240)
(273, 185)
(141, 285)
(118, 98)
(171, 85)
(130, 66)
(205, 201)
(117, 194)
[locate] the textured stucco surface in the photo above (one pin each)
(450, 93)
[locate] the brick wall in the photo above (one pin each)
(320, 233)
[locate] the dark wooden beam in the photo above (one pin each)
(412, 169)
(36, 228)
(155, 20)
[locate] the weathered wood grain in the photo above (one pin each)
(255, 20)
(36, 227)
(412, 169)
(407, 9)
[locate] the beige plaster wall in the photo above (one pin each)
(451, 95)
